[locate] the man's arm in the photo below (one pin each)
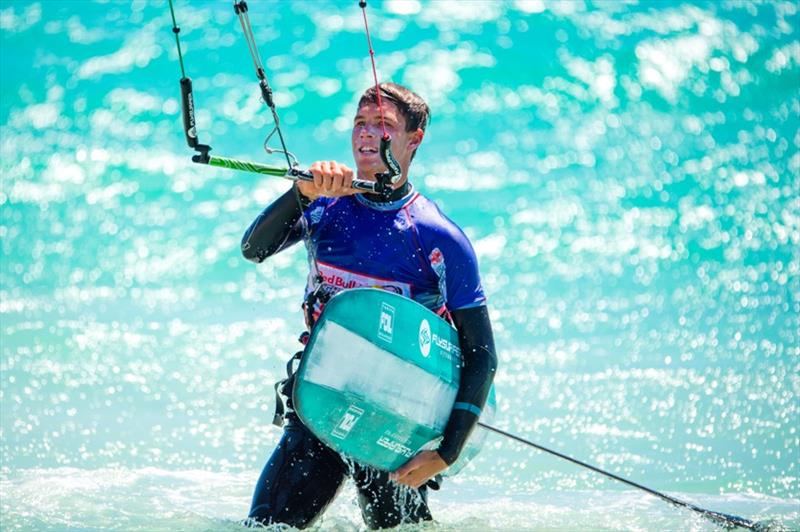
(477, 373)
(275, 229)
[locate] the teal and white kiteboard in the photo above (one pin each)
(378, 379)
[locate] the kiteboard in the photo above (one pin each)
(378, 379)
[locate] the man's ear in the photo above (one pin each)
(416, 139)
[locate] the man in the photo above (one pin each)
(401, 243)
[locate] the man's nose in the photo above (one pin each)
(368, 130)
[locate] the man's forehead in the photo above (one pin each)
(372, 107)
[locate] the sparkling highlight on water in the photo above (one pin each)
(627, 173)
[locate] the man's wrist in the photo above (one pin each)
(456, 433)
(448, 454)
(304, 200)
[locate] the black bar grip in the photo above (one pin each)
(302, 175)
(187, 102)
(358, 184)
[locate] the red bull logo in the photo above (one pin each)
(333, 279)
(340, 279)
(436, 257)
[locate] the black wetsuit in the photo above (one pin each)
(303, 475)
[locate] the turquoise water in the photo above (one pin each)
(628, 173)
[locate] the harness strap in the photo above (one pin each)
(280, 405)
(280, 409)
(318, 295)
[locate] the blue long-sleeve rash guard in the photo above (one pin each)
(406, 246)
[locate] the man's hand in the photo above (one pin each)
(419, 469)
(331, 179)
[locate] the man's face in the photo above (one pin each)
(366, 139)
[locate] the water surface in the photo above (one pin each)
(628, 174)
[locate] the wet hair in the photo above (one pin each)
(410, 104)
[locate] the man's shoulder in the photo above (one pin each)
(429, 219)
(428, 213)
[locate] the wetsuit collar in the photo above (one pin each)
(398, 198)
